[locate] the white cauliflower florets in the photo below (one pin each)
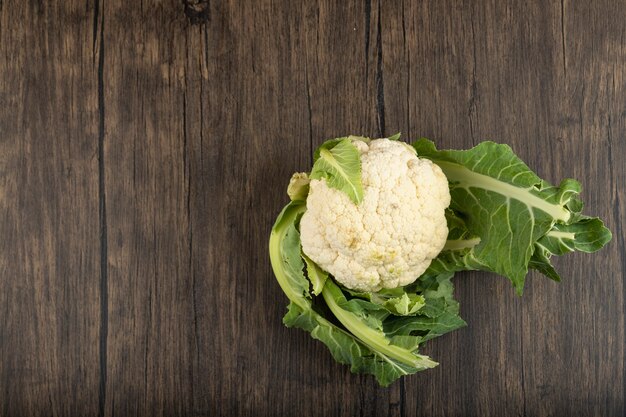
(391, 237)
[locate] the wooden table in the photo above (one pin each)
(145, 149)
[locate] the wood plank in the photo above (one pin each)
(149, 287)
(574, 336)
(50, 248)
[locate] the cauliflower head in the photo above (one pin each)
(391, 237)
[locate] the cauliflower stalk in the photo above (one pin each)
(390, 237)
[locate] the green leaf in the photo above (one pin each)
(370, 314)
(339, 163)
(316, 275)
(305, 319)
(292, 261)
(405, 305)
(408, 342)
(434, 307)
(393, 300)
(504, 203)
(439, 315)
(428, 327)
(586, 235)
(348, 350)
(328, 145)
(395, 137)
(540, 261)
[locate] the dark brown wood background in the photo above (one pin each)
(145, 148)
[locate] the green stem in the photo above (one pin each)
(459, 244)
(467, 178)
(277, 235)
(561, 235)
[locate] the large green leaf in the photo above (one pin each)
(503, 203)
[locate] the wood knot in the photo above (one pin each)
(197, 11)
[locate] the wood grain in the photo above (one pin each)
(144, 152)
(50, 252)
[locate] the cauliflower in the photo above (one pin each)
(390, 238)
(374, 216)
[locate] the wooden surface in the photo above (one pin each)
(144, 152)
